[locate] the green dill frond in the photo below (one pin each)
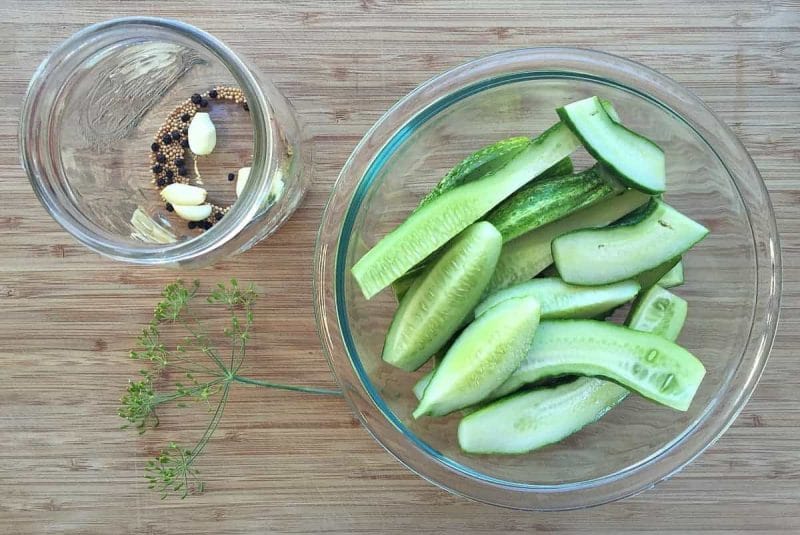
(175, 299)
(232, 296)
(172, 471)
(138, 405)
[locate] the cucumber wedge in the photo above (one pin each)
(658, 311)
(646, 363)
(549, 199)
(441, 219)
(442, 297)
(482, 357)
(674, 277)
(559, 300)
(530, 420)
(638, 161)
(401, 285)
(600, 256)
(422, 384)
(478, 164)
(650, 278)
(523, 258)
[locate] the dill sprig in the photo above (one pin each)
(206, 376)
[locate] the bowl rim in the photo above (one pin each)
(477, 75)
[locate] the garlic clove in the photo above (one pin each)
(202, 134)
(184, 194)
(241, 180)
(193, 213)
(276, 189)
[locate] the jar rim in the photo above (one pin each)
(242, 211)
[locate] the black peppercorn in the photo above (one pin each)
(212, 93)
(155, 147)
(192, 224)
(182, 171)
(157, 168)
(176, 135)
(185, 131)
(231, 177)
(160, 158)
(185, 143)
(206, 225)
(161, 182)
(203, 103)
(218, 215)
(246, 107)
(170, 208)
(166, 139)
(168, 173)
(196, 98)
(179, 162)
(185, 117)
(169, 181)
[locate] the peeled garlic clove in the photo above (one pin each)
(184, 194)
(241, 179)
(193, 213)
(202, 134)
(276, 189)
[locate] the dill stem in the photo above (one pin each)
(280, 386)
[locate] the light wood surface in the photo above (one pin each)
(294, 463)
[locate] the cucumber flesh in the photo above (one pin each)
(422, 384)
(546, 416)
(658, 311)
(527, 421)
(477, 165)
(442, 297)
(547, 200)
(523, 258)
(401, 285)
(560, 300)
(646, 363)
(673, 277)
(434, 224)
(482, 357)
(638, 161)
(601, 256)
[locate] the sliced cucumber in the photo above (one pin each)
(638, 161)
(674, 277)
(530, 420)
(482, 357)
(401, 285)
(547, 200)
(601, 256)
(422, 384)
(477, 165)
(559, 300)
(523, 258)
(441, 219)
(442, 297)
(660, 312)
(647, 363)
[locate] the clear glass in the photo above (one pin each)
(88, 120)
(733, 277)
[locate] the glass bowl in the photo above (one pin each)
(733, 276)
(89, 118)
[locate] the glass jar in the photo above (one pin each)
(88, 121)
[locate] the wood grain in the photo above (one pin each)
(291, 463)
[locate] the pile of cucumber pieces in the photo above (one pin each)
(531, 359)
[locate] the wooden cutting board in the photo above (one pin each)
(293, 463)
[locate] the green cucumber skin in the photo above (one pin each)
(601, 256)
(550, 415)
(433, 225)
(658, 311)
(442, 297)
(674, 277)
(560, 300)
(646, 363)
(526, 256)
(482, 357)
(483, 162)
(401, 285)
(531, 420)
(650, 278)
(547, 200)
(638, 161)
